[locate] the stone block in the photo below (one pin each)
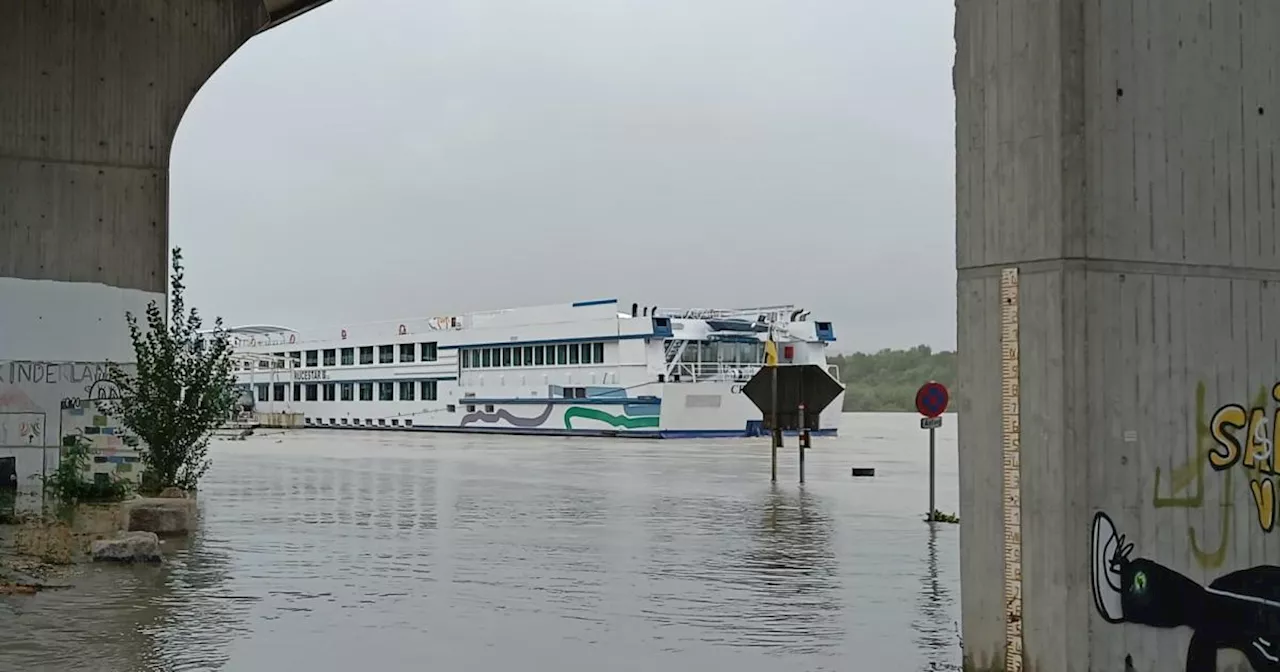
(163, 516)
(128, 547)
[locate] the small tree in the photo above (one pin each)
(181, 390)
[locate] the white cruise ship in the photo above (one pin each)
(597, 368)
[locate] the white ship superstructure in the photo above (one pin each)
(588, 368)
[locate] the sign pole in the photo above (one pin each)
(931, 401)
(802, 442)
(932, 472)
(775, 434)
(779, 391)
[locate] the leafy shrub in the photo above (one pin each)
(180, 391)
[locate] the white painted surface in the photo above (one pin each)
(47, 321)
(55, 340)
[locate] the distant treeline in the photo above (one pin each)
(888, 380)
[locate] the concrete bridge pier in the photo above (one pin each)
(91, 94)
(1118, 249)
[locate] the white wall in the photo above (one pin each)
(55, 340)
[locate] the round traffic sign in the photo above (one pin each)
(932, 399)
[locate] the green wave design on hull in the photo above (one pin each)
(622, 421)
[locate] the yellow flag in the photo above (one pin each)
(770, 353)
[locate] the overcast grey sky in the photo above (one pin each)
(379, 159)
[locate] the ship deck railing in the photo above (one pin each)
(702, 372)
(771, 313)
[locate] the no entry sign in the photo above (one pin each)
(932, 399)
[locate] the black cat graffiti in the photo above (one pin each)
(1240, 610)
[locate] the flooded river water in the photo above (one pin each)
(391, 551)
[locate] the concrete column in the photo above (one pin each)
(1122, 156)
(90, 97)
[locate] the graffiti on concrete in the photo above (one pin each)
(22, 422)
(1187, 490)
(30, 392)
(1239, 610)
(52, 373)
(1242, 439)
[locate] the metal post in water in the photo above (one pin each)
(775, 436)
(803, 433)
(932, 472)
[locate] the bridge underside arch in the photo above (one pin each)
(91, 94)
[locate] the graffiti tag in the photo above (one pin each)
(1243, 437)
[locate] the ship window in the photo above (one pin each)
(278, 363)
(263, 364)
(277, 392)
(406, 352)
(484, 358)
(516, 358)
(406, 391)
(585, 349)
(537, 355)
(597, 352)
(506, 356)
(452, 408)
(475, 359)
(528, 355)
(366, 391)
(562, 355)
(464, 358)
(312, 392)
(347, 390)
(313, 358)
(497, 356)
(348, 356)
(295, 359)
(264, 392)
(573, 353)
(386, 354)
(386, 392)
(366, 354)
(329, 357)
(297, 391)
(429, 352)
(328, 390)
(428, 390)
(471, 408)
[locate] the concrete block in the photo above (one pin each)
(163, 516)
(128, 547)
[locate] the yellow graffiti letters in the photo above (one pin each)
(1264, 497)
(1245, 437)
(1223, 426)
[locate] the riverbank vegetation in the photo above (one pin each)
(887, 380)
(180, 391)
(68, 487)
